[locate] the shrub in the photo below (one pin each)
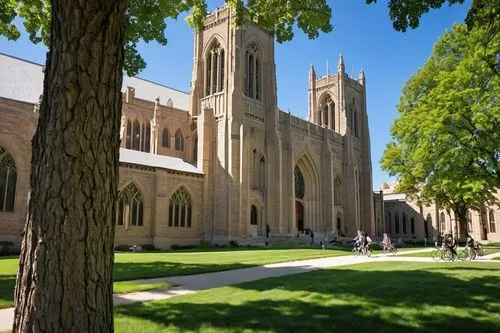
(122, 248)
(149, 247)
(182, 247)
(5, 247)
(233, 243)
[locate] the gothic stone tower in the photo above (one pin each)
(338, 102)
(266, 168)
(233, 99)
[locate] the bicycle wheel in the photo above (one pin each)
(394, 251)
(369, 252)
(448, 255)
(437, 254)
(464, 254)
(480, 250)
(355, 252)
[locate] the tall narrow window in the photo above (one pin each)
(326, 112)
(253, 67)
(427, 224)
(262, 173)
(396, 224)
(180, 209)
(136, 135)
(337, 192)
(215, 67)
(389, 223)
(493, 227)
(299, 184)
(179, 141)
(412, 225)
(221, 75)
(128, 142)
(165, 138)
(253, 215)
(130, 207)
(8, 181)
(404, 223)
(148, 139)
(195, 150)
(442, 221)
(355, 122)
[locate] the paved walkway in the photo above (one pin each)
(190, 284)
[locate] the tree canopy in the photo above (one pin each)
(446, 142)
(145, 20)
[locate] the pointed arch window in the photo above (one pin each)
(147, 139)
(195, 150)
(337, 191)
(412, 225)
(492, 221)
(179, 141)
(427, 224)
(130, 207)
(404, 223)
(299, 184)
(469, 221)
(389, 222)
(262, 173)
(180, 209)
(326, 112)
(8, 181)
(253, 67)
(128, 142)
(355, 122)
(253, 215)
(214, 73)
(442, 221)
(136, 135)
(165, 138)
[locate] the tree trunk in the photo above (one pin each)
(65, 276)
(460, 211)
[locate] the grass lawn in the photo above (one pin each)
(375, 297)
(487, 250)
(131, 266)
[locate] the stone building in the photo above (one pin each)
(221, 162)
(410, 221)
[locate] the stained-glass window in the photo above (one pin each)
(8, 181)
(180, 209)
(299, 184)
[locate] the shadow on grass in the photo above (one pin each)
(336, 300)
(7, 285)
(134, 270)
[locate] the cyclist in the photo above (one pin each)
(359, 241)
(386, 243)
(471, 243)
(368, 242)
(449, 243)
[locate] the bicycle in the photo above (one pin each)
(467, 253)
(389, 249)
(443, 253)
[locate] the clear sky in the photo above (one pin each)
(362, 33)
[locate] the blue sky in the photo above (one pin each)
(362, 33)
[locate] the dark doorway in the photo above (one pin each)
(299, 215)
(339, 225)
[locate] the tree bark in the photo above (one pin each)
(460, 211)
(65, 276)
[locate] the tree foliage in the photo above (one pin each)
(407, 13)
(145, 20)
(446, 142)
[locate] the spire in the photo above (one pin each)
(340, 66)
(312, 78)
(361, 77)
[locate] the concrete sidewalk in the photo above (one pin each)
(189, 284)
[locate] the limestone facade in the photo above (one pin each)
(251, 164)
(410, 221)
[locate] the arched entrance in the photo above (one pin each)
(299, 215)
(307, 198)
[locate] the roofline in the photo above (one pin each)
(21, 59)
(135, 77)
